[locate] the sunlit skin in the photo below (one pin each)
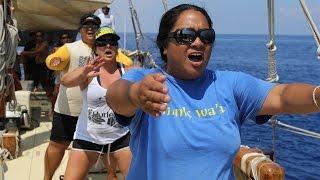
(87, 34)
(107, 54)
(178, 63)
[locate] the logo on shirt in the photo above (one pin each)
(199, 113)
(103, 117)
(83, 60)
(95, 117)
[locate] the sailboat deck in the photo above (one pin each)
(29, 164)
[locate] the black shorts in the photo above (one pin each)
(121, 143)
(63, 127)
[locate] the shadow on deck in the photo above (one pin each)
(29, 164)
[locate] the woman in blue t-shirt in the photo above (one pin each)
(185, 119)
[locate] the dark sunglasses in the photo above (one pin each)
(64, 37)
(189, 35)
(104, 42)
(87, 26)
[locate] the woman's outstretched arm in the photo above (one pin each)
(80, 75)
(296, 98)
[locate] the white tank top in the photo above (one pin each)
(96, 113)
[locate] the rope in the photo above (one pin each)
(10, 92)
(2, 50)
(272, 120)
(295, 129)
(11, 40)
(243, 164)
(312, 25)
(253, 164)
(8, 44)
(272, 71)
(165, 5)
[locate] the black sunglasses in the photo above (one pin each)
(104, 42)
(189, 35)
(87, 26)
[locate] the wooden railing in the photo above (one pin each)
(251, 163)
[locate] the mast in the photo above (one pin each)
(137, 31)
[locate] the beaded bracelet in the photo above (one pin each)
(314, 97)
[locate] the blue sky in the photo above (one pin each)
(229, 16)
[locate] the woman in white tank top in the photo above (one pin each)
(98, 134)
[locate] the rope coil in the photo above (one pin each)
(253, 163)
(272, 70)
(314, 97)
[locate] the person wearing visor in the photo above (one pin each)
(98, 134)
(185, 119)
(69, 100)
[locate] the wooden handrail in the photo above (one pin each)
(266, 169)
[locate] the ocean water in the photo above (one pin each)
(296, 62)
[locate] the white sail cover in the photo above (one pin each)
(52, 14)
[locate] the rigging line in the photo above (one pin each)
(297, 130)
(111, 1)
(273, 120)
(271, 19)
(312, 25)
(165, 5)
(301, 133)
(5, 10)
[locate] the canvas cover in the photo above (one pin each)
(52, 14)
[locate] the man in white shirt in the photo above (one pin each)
(69, 101)
(106, 18)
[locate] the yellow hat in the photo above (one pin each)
(106, 30)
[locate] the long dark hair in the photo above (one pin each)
(169, 19)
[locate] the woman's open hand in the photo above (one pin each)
(91, 69)
(152, 94)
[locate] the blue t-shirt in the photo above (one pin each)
(198, 135)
